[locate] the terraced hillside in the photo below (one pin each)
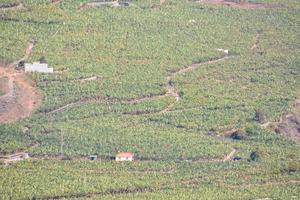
(204, 93)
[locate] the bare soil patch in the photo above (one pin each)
(289, 123)
(240, 4)
(21, 98)
(4, 85)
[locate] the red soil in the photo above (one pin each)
(20, 97)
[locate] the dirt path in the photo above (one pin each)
(236, 4)
(269, 183)
(226, 158)
(111, 192)
(54, 2)
(12, 7)
(28, 51)
(256, 42)
(229, 156)
(171, 91)
(99, 4)
(184, 70)
(21, 98)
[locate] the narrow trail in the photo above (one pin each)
(55, 2)
(99, 4)
(229, 156)
(92, 78)
(270, 183)
(226, 158)
(256, 42)
(12, 7)
(184, 182)
(111, 192)
(28, 51)
(21, 98)
(184, 70)
(24, 149)
(170, 88)
(238, 5)
(289, 123)
(80, 80)
(266, 125)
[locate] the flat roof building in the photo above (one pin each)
(37, 67)
(125, 156)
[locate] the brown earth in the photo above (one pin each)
(289, 124)
(20, 97)
(241, 4)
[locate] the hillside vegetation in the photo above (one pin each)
(151, 79)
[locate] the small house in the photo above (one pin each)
(125, 156)
(37, 67)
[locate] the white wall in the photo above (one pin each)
(124, 158)
(38, 67)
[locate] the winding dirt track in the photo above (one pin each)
(171, 91)
(20, 97)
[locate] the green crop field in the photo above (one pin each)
(151, 79)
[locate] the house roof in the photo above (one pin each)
(125, 154)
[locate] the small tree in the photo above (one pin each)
(43, 59)
(238, 134)
(254, 156)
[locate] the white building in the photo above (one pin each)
(37, 67)
(125, 156)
